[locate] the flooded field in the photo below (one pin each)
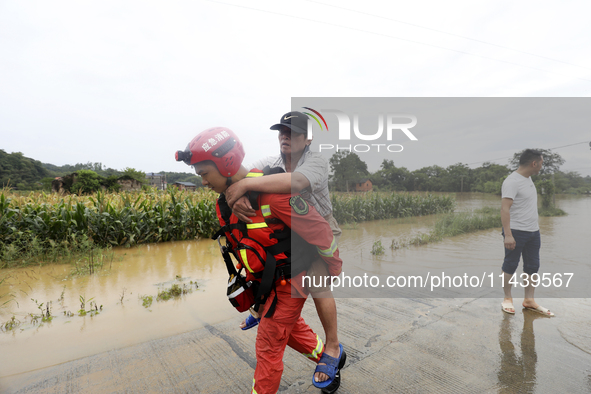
(144, 270)
(123, 320)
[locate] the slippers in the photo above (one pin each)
(505, 306)
(251, 321)
(541, 310)
(332, 369)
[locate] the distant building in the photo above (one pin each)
(63, 184)
(185, 185)
(157, 181)
(363, 185)
(128, 183)
(57, 185)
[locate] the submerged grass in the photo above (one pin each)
(454, 224)
(45, 313)
(377, 248)
(551, 211)
(5, 298)
(10, 325)
(174, 291)
(146, 301)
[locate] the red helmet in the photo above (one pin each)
(217, 144)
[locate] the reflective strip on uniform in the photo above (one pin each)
(317, 351)
(266, 210)
(253, 390)
(256, 225)
(245, 259)
(254, 174)
(330, 251)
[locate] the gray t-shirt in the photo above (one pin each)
(524, 211)
(315, 168)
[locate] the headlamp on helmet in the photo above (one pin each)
(218, 144)
(183, 155)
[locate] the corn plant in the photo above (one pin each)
(53, 227)
(375, 206)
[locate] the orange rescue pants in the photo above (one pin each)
(285, 327)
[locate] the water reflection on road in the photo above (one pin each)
(517, 372)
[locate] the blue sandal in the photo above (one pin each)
(251, 321)
(332, 369)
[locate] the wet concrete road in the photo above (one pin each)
(393, 346)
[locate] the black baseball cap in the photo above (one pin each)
(295, 121)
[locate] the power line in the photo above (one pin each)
(397, 38)
(580, 168)
(447, 33)
(510, 157)
(564, 146)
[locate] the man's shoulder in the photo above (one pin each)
(271, 161)
(315, 159)
(315, 156)
(513, 177)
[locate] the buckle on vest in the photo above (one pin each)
(222, 248)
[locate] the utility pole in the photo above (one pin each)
(462, 186)
(553, 194)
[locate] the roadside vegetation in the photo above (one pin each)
(453, 224)
(547, 190)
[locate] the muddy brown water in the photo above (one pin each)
(140, 271)
(146, 269)
(565, 248)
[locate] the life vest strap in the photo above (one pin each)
(268, 279)
(228, 229)
(280, 247)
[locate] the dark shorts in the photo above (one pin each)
(527, 243)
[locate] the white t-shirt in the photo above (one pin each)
(524, 211)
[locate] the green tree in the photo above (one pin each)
(135, 174)
(347, 168)
(20, 171)
(546, 189)
(458, 178)
(552, 161)
(390, 177)
(86, 182)
(429, 178)
(489, 177)
(110, 183)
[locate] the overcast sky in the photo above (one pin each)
(127, 83)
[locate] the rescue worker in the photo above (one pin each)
(217, 156)
(306, 172)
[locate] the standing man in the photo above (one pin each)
(519, 216)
